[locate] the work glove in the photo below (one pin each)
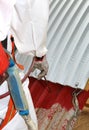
(30, 124)
(42, 65)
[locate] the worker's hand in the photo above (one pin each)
(42, 65)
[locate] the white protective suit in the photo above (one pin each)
(27, 21)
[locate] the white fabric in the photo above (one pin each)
(6, 7)
(27, 21)
(17, 122)
(3, 101)
(29, 26)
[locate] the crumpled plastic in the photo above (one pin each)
(42, 65)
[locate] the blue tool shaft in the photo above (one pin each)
(16, 89)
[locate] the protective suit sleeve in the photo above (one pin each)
(29, 26)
